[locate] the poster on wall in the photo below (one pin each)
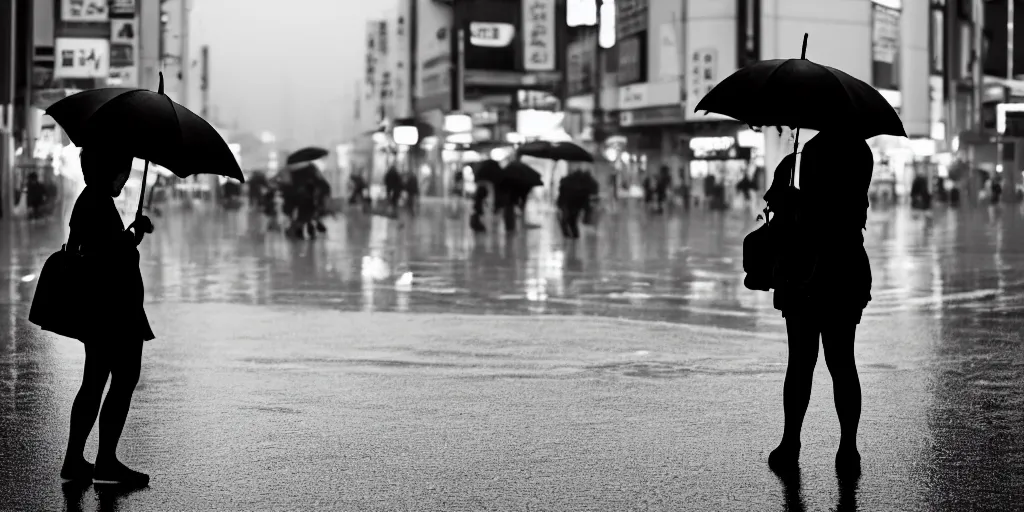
(81, 58)
(539, 35)
(122, 31)
(885, 44)
(87, 11)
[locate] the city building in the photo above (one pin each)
(65, 46)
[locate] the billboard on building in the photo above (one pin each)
(124, 49)
(433, 56)
(77, 57)
(486, 46)
(84, 11)
(885, 47)
(539, 35)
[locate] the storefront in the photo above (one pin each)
(717, 165)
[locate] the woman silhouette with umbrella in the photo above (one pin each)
(821, 276)
(111, 321)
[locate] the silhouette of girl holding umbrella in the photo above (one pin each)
(92, 289)
(811, 251)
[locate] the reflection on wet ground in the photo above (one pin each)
(678, 269)
(945, 325)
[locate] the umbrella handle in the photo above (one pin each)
(142, 192)
(796, 139)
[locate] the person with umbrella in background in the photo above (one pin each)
(565, 151)
(412, 192)
(512, 191)
(485, 174)
(101, 259)
(821, 273)
(306, 191)
(573, 198)
(393, 186)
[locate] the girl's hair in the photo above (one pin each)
(101, 165)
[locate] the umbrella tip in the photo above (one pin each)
(160, 90)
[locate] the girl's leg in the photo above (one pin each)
(838, 344)
(85, 409)
(796, 392)
(124, 377)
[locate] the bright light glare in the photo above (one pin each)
(29, 278)
(606, 36)
(406, 135)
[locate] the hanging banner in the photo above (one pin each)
(372, 34)
(81, 58)
(400, 88)
(88, 11)
(539, 35)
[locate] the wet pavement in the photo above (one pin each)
(420, 367)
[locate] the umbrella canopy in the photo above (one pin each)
(487, 170)
(307, 154)
(150, 126)
(579, 182)
(520, 175)
(556, 151)
(803, 94)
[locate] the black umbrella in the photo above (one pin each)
(520, 175)
(307, 154)
(556, 151)
(150, 126)
(802, 94)
(487, 170)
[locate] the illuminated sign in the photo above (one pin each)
(581, 13)
(491, 35)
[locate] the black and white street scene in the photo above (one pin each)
(468, 255)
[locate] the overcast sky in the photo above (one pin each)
(290, 67)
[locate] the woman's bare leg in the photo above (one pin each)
(796, 392)
(838, 342)
(124, 377)
(85, 409)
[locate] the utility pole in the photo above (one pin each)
(7, 63)
(204, 81)
(186, 62)
(1011, 178)
(977, 14)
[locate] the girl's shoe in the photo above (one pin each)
(785, 458)
(78, 470)
(119, 474)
